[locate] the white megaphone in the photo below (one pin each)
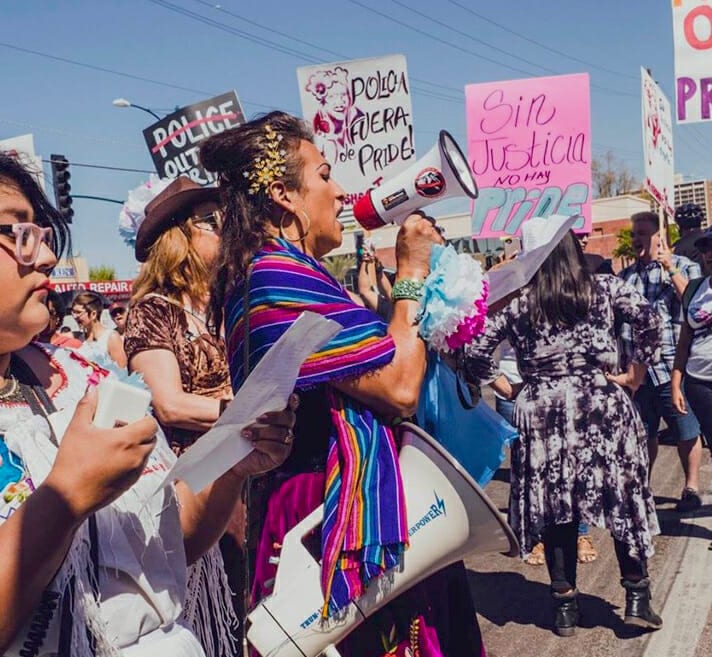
(442, 173)
(449, 517)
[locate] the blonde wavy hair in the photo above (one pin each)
(173, 268)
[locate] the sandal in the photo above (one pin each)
(585, 550)
(690, 500)
(536, 556)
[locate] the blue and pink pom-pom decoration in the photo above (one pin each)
(453, 307)
(133, 211)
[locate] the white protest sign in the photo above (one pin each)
(362, 119)
(692, 31)
(266, 389)
(23, 147)
(657, 143)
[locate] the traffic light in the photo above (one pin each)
(62, 188)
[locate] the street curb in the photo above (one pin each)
(687, 605)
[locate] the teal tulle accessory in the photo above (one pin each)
(453, 307)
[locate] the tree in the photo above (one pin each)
(102, 273)
(339, 265)
(611, 176)
(624, 246)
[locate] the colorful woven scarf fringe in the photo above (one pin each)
(365, 529)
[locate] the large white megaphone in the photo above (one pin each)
(442, 173)
(449, 517)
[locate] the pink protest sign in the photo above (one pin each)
(529, 148)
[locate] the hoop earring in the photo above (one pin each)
(283, 234)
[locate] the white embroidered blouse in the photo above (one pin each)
(142, 566)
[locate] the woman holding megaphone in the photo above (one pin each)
(281, 218)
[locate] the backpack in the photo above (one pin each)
(692, 286)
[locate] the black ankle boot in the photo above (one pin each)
(638, 611)
(567, 614)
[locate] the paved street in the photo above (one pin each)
(515, 609)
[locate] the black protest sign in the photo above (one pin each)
(174, 141)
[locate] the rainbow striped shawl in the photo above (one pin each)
(364, 530)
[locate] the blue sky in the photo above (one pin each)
(68, 107)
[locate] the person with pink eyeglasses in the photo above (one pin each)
(93, 563)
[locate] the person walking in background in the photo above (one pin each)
(693, 360)
(99, 342)
(51, 334)
(586, 551)
(595, 263)
(118, 313)
(185, 367)
(582, 454)
(661, 277)
(373, 284)
(689, 219)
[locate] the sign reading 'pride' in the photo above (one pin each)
(529, 149)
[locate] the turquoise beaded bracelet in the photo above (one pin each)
(407, 289)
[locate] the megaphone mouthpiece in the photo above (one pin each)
(442, 173)
(365, 213)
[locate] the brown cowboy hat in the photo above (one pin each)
(172, 206)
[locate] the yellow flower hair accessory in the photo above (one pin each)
(269, 166)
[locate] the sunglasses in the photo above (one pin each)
(28, 239)
(118, 312)
(211, 222)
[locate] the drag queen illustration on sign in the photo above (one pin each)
(332, 122)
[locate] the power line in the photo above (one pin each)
(131, 76)
(272, 45)
(104, 166)
(101, 69)
(541, 45)
(249, 21)
(439, 40)
(335, 53)
(63, 133)
(680, 136)
(608, 90)
(696, 132)
(232, 30)
(469, 36)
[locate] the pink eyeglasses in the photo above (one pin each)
(28, 239)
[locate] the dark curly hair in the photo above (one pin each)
(15, 174)
(231, 155)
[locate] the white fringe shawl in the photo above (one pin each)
(31, 439)
(208, 609)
